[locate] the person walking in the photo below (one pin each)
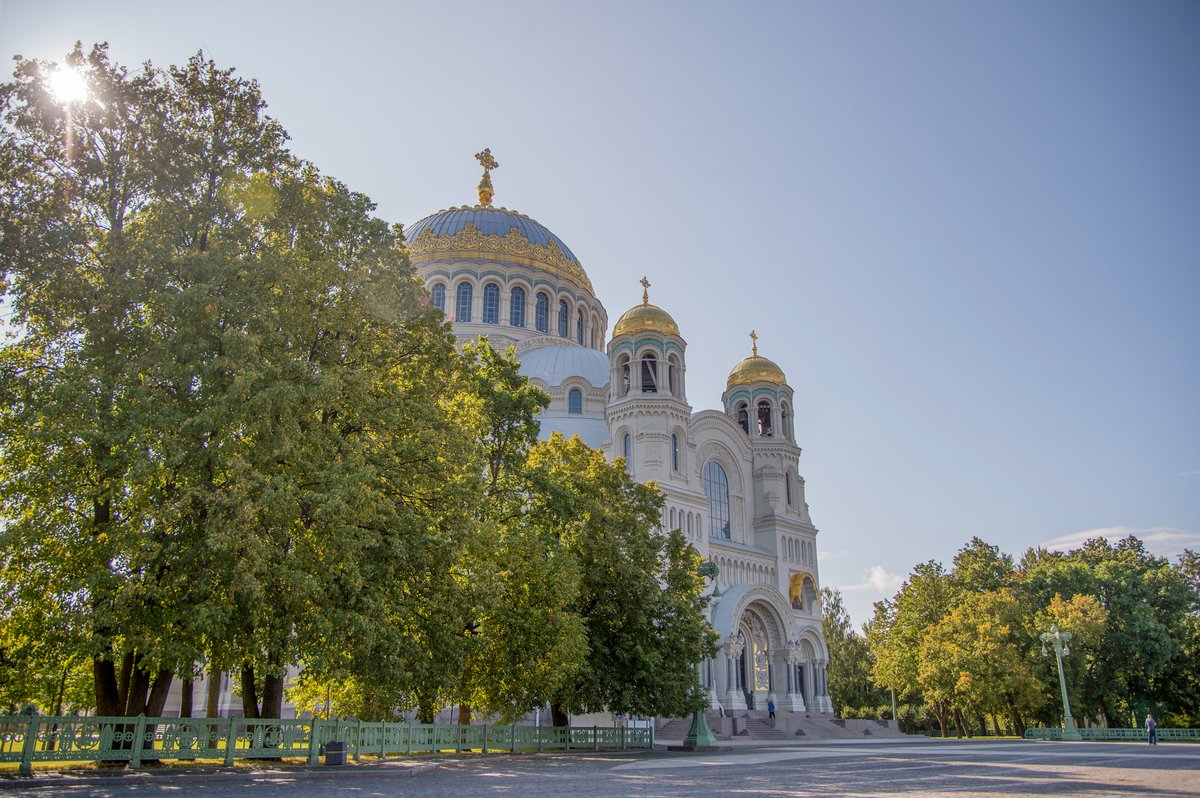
(1151, 730)
(770, 709)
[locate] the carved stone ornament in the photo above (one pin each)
(514, 245)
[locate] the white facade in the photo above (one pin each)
(731, 476)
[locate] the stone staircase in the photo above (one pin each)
(760, 729)
(755, 725)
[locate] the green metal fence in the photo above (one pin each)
(35, 738)
(1135, 735)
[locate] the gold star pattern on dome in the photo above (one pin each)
(485, 185)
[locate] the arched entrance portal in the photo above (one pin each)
(759, 651)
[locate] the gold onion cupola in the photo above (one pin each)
(646, 318)
(755, 368)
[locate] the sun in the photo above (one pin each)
(68, 85)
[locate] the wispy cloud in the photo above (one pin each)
(877, 580)
(824, 556)
(1192, 472)
(1160, 540)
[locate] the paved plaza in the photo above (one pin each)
(842, 768)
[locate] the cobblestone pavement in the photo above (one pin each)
(922, 768)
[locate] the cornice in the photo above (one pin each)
(470, 241)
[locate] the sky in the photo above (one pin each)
(969, 233)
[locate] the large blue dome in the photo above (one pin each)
(496, 234)
(489, 221)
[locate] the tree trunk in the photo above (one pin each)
(464, 714)
(249, 695)
(559, 716)
(996, 725)
(961, 724)
(159, 691)
(212, 708)
(1014, 714)
(939, 712)
(425, 714)
(136, 695)
(123, 684)
(104, 673)
(272, 697)
(186, 695)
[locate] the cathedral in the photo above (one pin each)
(730, 476)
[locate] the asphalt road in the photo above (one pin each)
(916, 768)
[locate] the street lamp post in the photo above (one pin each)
(1060, 640)
(700, 736)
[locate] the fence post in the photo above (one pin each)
(595, 738)
(622, 738)
(313, 744)
(139, 739)
(357, 738)
(512, 738)
(383, 737)
(485, 738)
(30, 745)
(230, 741)
(408, 745)
(539, 738)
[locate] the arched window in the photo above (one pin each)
(716, 488)
(623, 375)
(595, 327)
(579, 328)
(462, 303)
(785, 419)
(541, 313)
(787, 485)
(674, 452)
(564, 317)
(437, 297)
(491, 304)
(764, 419)
(516, 307)
(673, 376)
(649, 374)
(743, 418)
(575, 402)
(627, 449)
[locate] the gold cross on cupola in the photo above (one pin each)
(485, 185)
(645, 291)
(754, 343)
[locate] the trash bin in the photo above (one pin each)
(335, 753)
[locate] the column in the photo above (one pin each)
(733, 696)
(794, 700)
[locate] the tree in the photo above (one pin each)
(1138, 660)
(640, 594)
(899, 626)
(222, 418)
(850, 687)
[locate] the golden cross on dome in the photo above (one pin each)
(645, 291)
(485, 185)
(754, 342)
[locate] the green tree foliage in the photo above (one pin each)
(850, 687)
(640, 592)
(966, 642)
(1139, 662)
(223, 398)
(234, 436)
